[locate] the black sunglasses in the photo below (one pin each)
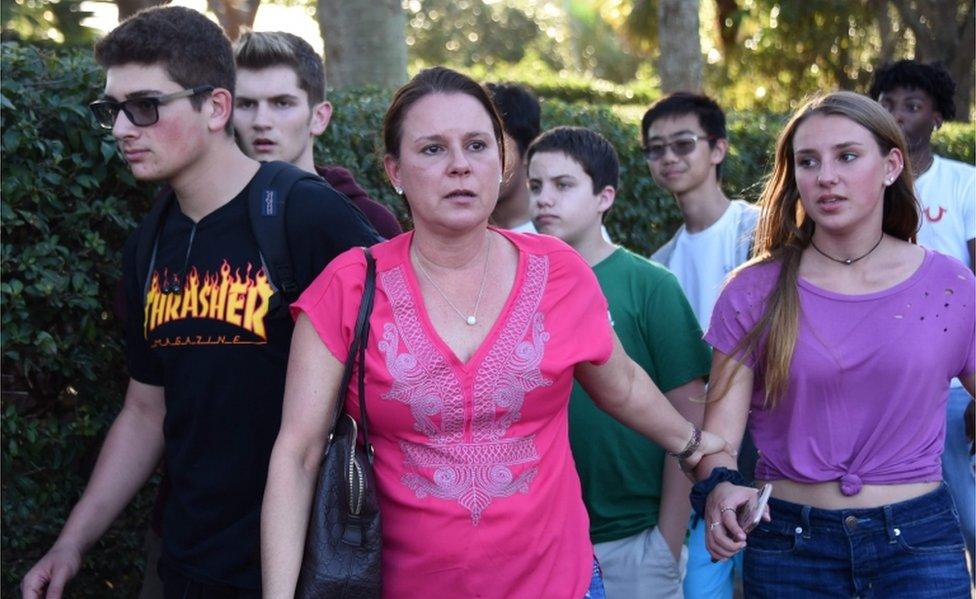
(681, 147)
(141, 112)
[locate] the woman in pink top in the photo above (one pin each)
(478, 335)
(838, 343)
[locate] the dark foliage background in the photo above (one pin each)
(68, 203)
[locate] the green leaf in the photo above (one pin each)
(11, 140)
(108, 150)
(45, 343)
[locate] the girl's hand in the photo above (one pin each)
(723, 536)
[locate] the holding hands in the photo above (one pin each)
(707, 444)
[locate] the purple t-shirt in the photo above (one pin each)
(869, 378)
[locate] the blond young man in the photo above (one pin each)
(280, 109)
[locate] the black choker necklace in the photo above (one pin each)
(848, 261)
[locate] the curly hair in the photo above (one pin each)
(933, 79)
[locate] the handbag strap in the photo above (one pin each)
(357, 354)
(365, 308)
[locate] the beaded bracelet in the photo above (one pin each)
(692, 445)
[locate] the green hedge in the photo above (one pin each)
(68, 202)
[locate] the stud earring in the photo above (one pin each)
(500, 179)
(398, 190)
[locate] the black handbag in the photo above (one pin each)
(343, 543)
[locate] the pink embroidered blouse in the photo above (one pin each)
(478, 491)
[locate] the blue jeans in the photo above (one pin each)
(596, 583)
(908, 549)
(957, 467)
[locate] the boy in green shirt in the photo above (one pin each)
(637, 499)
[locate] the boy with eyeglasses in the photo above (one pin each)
(280, 108)
(636, 497)
(205, 345)
(684, 142)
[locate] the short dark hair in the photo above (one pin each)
(435, 80)
(588, 148)
(932, 79)
(263, 49)
(677, 104)
(192, 48)
(520, 112)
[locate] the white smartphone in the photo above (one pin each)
(749, 515)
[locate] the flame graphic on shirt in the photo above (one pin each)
(226, 296)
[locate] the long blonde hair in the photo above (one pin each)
(785, 230)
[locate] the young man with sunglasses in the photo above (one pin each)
(207, 336)
(684, 142)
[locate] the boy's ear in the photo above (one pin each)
(719, 150)
(605, 198)
(220, 104)
(321, 115)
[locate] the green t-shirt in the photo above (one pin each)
(621, 470)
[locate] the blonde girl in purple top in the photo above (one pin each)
(837, 343)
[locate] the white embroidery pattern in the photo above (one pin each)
(471, 473)
(422, 378)
(511, 368)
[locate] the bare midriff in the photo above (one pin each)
(828, 495)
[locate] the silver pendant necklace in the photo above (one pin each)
(471, 319)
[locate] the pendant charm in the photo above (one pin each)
(472, 321)
(848, 262)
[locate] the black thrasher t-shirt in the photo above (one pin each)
(219, 347)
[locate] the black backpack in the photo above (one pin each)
(267, 202)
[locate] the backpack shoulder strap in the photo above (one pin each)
(148, 235)
(267, 202)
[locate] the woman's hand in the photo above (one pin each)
(710, 444)
(723, 535)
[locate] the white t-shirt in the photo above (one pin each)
(526, 227)
(529, 227)
(703, 260)
(947, 194)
